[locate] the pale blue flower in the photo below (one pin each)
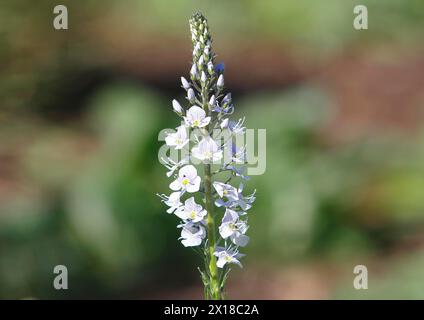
(225, 190)
(235, 199)
(172, 201)
(172, 166)
(187, 180)
(223, 109)
(196, 117)
(191, 211)
(192, 234)
(207, 150)
(233, 154)
(178, 139)
(234, 228)
(236, 127)
(239, 171)
(227, 256)
(227, 99)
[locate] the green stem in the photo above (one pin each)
(214, 285)
(213, 270)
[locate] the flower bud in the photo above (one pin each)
(201, 62)
(193, 71)
(212, 101)
(203, 77)
(210, 67)
(190, 95)
(197, 47)
(224, 123)
(185, 83)
(177, 107)
(227, 98)
(220, 82)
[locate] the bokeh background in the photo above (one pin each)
(81, 109)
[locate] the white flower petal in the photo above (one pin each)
(194, 186)
(180, 213)
(188, 171)
(175, 185)
(221, 262)
(225, 230)
(240, 239)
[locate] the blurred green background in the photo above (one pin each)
(81, 109)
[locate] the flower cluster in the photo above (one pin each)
(205, 124)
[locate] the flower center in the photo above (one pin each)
(196, 123)
(192, 214)
(185, 182)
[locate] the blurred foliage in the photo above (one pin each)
(321, 26)
(314, 196)
(79, 188)
(97, 212)
(401, 280)
(29, 45)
